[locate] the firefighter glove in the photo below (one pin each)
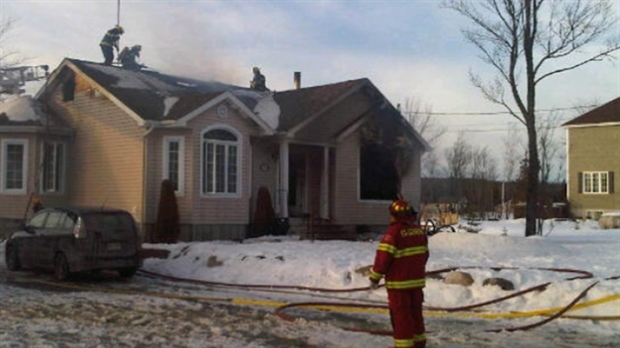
(374, 283)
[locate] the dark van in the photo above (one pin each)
(70, 240)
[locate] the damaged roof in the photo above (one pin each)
(150, 94)
(26, 111)
(154, 96)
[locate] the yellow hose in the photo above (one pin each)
(352, 309)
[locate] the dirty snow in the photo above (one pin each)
(107, 319)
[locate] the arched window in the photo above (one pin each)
(220, 162)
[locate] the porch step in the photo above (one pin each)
(323, 229)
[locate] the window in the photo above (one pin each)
(378, 177)
(14, 163)
(38, 221)
(54, 219)
(52, 169)
(596, 182)
(220, 162)
(174, 162)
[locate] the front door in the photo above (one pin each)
(297, 197)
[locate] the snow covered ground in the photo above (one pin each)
(123, 318)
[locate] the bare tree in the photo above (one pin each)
(549, 146)
(8, 58)
(458, 157)
(511, 152)
(483, 165)
(430, 164)
(541, 38)
(422, 121)
(483, 175)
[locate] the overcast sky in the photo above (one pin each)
(408, 49)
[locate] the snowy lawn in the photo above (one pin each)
(497, 250)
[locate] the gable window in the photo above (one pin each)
(596, 182)
(14, 166)
(377, 173)
(174, 162)
(53, 167)
(220, 162)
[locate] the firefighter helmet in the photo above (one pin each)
(119, 28)
(401, 210)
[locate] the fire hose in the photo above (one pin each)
(552, 314)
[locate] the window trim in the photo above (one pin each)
(63, 170)
(590, 176)
(239, 144)
(180, 191)
(4, 168)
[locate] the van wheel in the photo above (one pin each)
(127, 272)
(12, 258)
(61, 267)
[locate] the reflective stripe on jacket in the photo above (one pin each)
(401, 257)
(111, 38)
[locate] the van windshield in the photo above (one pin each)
(109, 222)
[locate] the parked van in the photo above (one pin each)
(71, 240)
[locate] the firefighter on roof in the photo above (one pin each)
(401, 258)
(258, 82)
(128, 57)
(109, 41)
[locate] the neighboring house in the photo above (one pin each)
(593, 153)
(334, 152)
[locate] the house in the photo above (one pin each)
(338, 152)
(593, 147)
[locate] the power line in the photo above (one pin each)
(492, 113)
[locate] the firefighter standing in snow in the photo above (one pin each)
(401, 258)
(109, 41)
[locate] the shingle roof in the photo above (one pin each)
(156, 96)
(299, 104)
(606, 113)
(149, 93)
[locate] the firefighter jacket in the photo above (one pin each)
(401, 257)
(111, 38)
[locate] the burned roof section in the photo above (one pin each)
(26, 111)
(148, 93)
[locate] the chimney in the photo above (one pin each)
(297, 80)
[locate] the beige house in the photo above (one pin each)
(593, 153)
(103, 135)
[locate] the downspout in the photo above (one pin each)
(150, 126)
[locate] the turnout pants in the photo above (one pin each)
(108, 54)
(406, 316)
